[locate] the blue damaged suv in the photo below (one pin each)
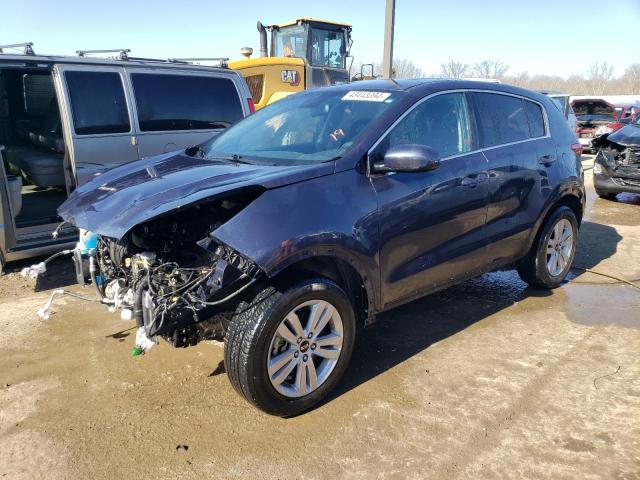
(318, 212)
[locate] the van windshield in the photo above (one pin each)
(309, 127)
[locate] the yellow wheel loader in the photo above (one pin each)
(303, 54)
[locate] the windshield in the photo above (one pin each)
(309, 127)
(290, 41)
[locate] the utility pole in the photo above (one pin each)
(389, 20)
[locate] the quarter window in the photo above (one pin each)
(535, 117)
(98, 103)
(500, 119)
(185, 102)
(441, 122)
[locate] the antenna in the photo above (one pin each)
(28, 47)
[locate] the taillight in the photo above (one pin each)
(577, 149)
(252, 106)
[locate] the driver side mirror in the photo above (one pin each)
(408, 158)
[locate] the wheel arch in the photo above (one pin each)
(339, 270)
(571, 198)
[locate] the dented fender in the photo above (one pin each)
(334, 216)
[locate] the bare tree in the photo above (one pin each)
(489, 69)
(599, 79)
(598, 76)
(454, 69)
(630, 80)
(403, 68)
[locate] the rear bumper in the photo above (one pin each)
(604, 183)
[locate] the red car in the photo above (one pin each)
(595, 117)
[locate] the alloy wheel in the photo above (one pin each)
(305, 348)
(560, 247)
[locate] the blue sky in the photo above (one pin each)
(543, 36)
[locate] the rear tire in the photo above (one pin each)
(254, 346)
(552, 253)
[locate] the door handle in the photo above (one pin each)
(547, 159)
(470, 181)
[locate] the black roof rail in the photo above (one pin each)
(28, 47)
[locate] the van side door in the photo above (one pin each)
(175, 109)
(96, 119)
(432, 223)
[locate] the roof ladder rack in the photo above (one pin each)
(28, 47)
(122, 52)
(221, 61)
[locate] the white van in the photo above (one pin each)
(65, 119)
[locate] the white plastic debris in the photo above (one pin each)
(44, 311)
(143, 342)
(34, 270)
(126, 314)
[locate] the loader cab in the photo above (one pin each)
(323, 45)
(303, 54)
(65, 120)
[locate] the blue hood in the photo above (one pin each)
(628, 136)
(118, 200)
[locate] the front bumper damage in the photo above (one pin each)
(617, 166)
(171, 274)
(182, 302)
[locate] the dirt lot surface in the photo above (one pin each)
(489, 379)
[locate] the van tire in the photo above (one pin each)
(533, 268)
(251, 334)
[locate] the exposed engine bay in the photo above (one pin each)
(172, 276)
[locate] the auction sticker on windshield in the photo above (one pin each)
(366, 96)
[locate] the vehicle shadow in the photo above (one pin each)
(596, 243)
(403, 332)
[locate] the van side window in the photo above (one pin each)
(536, 119)
(500, 119)
(98, 103)
(440, 122)
(185, 102)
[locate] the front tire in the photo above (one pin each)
(286, 349)
(550, 258)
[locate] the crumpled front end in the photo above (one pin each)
(173, 277)
(617, 164)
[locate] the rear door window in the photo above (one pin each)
(500, 119)
(185, 102)
(440, 122)
(98, 103)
